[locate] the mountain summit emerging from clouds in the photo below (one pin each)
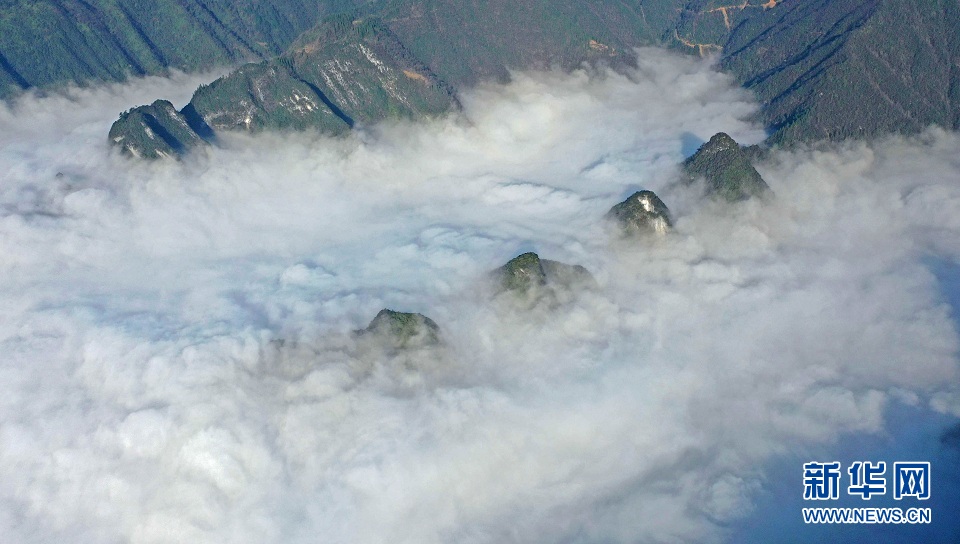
(726, 168)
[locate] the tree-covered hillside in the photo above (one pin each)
(821, 68)
(832, 69)
(343, 72)
(400, 58)
(45, 43)
(472, 40)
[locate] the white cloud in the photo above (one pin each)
(178, 365)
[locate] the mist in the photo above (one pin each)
(178, 363)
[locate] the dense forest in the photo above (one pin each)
(822, 69)
(46, 43)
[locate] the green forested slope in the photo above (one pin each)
(345, 71)
(726, 169)
(404, 58)
(154, 131)
(466, 41)
(841, 68)
(45, 43)
(703, 26)
(821, 68)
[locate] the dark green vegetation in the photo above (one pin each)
(403, 330)
(727, 170)
(405, 58)
(703, 26)
(641, 213)
(833, 69)
(799, 57)
(45, 43)
(467, 41)
(343, 72)
(821, 68)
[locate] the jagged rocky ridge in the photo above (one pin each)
(157, 130)
(340, 74)
(379, 62)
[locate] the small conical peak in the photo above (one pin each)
(727, 169)
(524, 260)
(522, 272)
(404, 329)
(649, 201)
(721, 137)
(528, 273)
(720, 141)
(165, 104)
(395, 318)
(642, 212)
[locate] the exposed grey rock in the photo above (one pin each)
(643, 212)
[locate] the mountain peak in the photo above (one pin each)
(522, 272)
(720, 141)
(404, 329)
(154, 131)
(727, 169)
(643, 211)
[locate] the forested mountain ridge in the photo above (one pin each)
(833, 69)
(442, 45)
(822, 69)
(703, 26)
(343, 72)
(46, 43)
(399, 58)
(472, 40)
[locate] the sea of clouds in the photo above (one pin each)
(176, 363)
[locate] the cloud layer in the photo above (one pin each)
(178, 365)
